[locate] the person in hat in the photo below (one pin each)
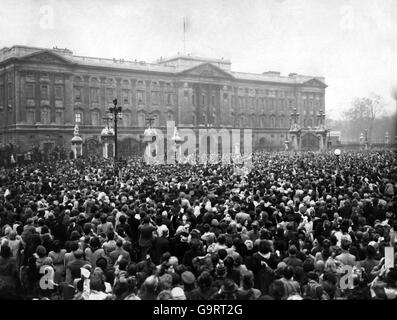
(228, 291)
(178, 294)
(205, 290)
(189, 283)
(146, 236)
(263, 265)
(73, 267)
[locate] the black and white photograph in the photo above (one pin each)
(215, 151)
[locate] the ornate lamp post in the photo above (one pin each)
(366, 139)
(387, 138)
(77, 143)
(107, 135)
(148, 138)
(115, 115)
(361, 140)
(178, 141)
(295, 130)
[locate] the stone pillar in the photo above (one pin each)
(321, 142)
(69, 99)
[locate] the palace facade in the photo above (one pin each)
(45, 92)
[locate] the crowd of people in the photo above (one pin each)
(11, 155)
(294, 227)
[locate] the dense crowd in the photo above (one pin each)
(292, 228)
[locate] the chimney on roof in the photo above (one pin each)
(271, 73)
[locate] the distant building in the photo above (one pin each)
(45, 92)
(335, 138)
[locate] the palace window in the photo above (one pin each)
(273, 122)
(156, 122)
(155, 97)
(126, 119)
(78, 117)
(44, 92)
(45, 115)
(169, 98)
(110, 94)
(141, 120)
(58, 92)
(77, 94)
(31, 116)
(95, 118)
(29, 76)
(94, 94)
(140, 96)
(203, 100)
(59, 117)
(30, 91)
(44, 77)
(125, 96)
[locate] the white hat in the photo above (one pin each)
(162, 229)
(178, 293)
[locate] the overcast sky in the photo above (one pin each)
(352, 43)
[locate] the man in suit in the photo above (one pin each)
(346, 257)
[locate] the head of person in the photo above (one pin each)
(288, 272)
(5, 251)
(345, 244)
(277, 290)
(265, 247)
(204, 281)
(248, 280)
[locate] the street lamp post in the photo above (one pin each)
(115, 113)
(366, 139)
(394, 95)
(337, 153)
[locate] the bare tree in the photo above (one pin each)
(363, 113)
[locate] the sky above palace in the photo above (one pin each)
(352, 43)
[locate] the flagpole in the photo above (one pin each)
(184, 33)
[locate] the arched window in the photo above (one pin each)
(241, 124)
(141, 120)
(194, 121)
(273, 121)
(156, 122)
(126, 118)
(263, 122)
(282, 122)
(59, 118)
(252, 122)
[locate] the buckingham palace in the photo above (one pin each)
(45, 92)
